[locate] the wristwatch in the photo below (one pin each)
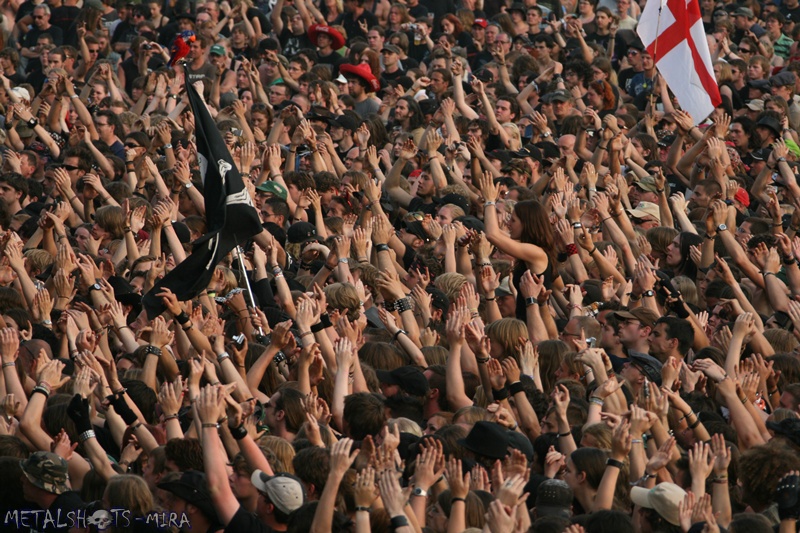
(33, 122)
(419, 492)
(648, 293)
(95, 287)
(722, 227)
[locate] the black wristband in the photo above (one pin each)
(614, 463)
(398, 522)
(324, 322)
(182, 318)
(516, 388)
(238, 433)
(500, 394)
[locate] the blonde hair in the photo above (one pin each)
(450, 283)
(279, 453)
(343, 296)
(515, 141)
(128, 491)
(506, 332)
(406, 425)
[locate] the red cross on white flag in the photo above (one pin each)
(672, 32)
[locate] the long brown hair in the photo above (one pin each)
(536, 228)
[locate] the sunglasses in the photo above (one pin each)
(132, 145)
(69, 167)
(414, 216)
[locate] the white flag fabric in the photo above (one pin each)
(672, 32)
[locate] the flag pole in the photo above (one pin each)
(247, 282)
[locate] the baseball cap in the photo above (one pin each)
(647, 364)
(742, 197)
(554, 498)
(217, 50)
(300, 231)
(648, 183)
(755, 105)
(47, 471)
(415, 227)
(762, 154)
(483, 23)
(646, 316)
(274, 188)
(391, 48)
(504, 289)
(285, 491)
(645, 209)
(560, 95)
(664, 498)
(743, 12)
(192, 487)
(409, 378)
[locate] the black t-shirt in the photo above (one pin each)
(791, 14)
(418, 204)
(334, 58)
(291, 44)
(386, 77)
(125, 32)
(351, 25)
(243, 521)
(63, 17)
(418, 11)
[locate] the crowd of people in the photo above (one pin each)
(504, 282)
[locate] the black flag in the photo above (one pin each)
(231, 218)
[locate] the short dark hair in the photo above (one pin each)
(312, 466)
(187, 454)
(16, 181)
(364, 415)
(279, 207)
(678, 328)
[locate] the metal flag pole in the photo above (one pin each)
(247, 282)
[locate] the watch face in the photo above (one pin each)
(722, 227)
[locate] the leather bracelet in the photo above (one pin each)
(565, 434)
(457, 499)
(209, 425)
(362, 509)
(171, 417)
(614, 463)
(381, 247)
(398, 333)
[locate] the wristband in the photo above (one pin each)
(171, 417)
(457, 499)
(238, 433)
(150, 349)
(398, 521)
(12, 363)
(362, 509)
(572, 249)
(41, 390)
(500, 394)
(515, 388)
(324, 322)
(221, 357)
(381, 247)
(86, 435)
(597, 401)
(614, 463)
(403, 304)
(182, 318)
(208, 425)
(566, 434)
(398, 333)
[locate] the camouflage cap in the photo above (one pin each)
(47, 471)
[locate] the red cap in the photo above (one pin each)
(742, 197)
(481, 22)
(363, 71)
